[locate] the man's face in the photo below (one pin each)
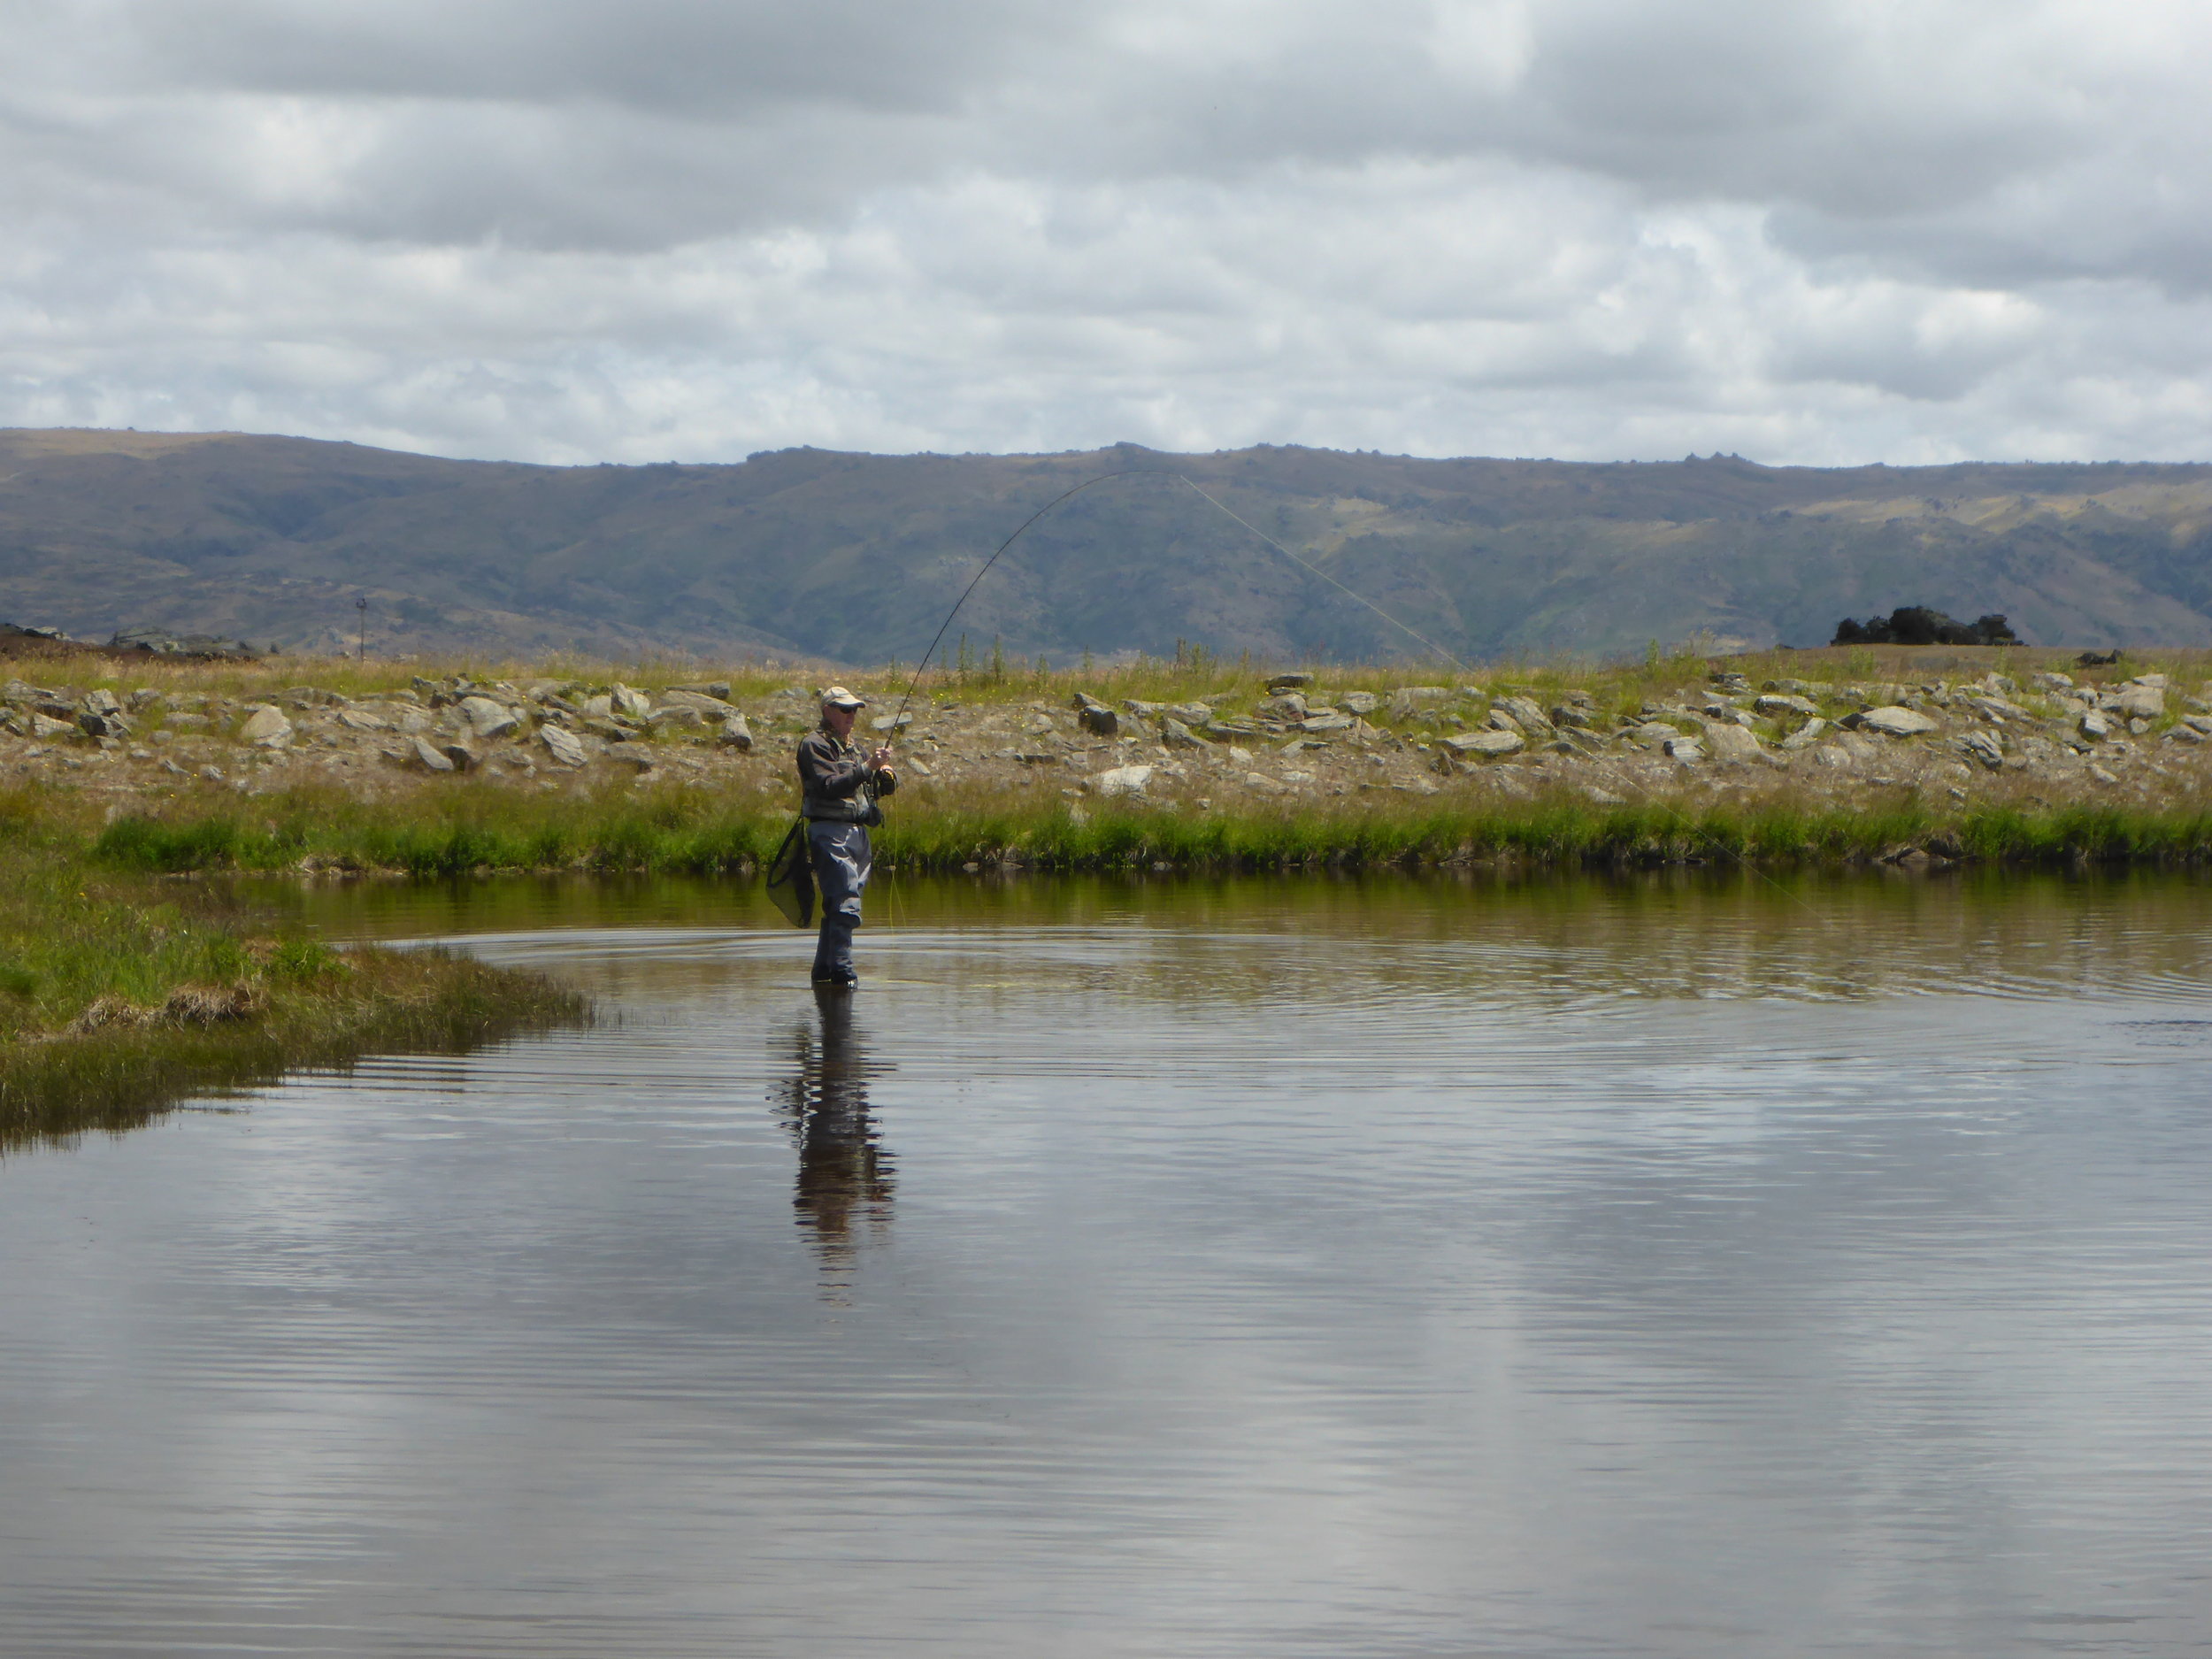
(840, 720)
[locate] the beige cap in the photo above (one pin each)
(837, 696)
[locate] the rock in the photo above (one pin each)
(2139, 702)
(95, 724)
(566, 747)
(2156, 682)
(1191, 713)
(486, 718)
(1653, 734)
(463, 757)
(1289, 682)
(359, 721)
(1571, 714)
(266, 728)
(420, 753)
(1261, 781)
(315, 697)
(1806, 735)
(2052, 682)
(718, 690)
(1328, 721)
(1175, 735)
(1727, 679)
(601, 707)
(1730, 742)
(1892, 722)
(1098, 719)
(1359, 702)
(2099, 772)
(44, 725)
(677, 714)
(1791, 687)
(634, 704)
(2198, 723)
(1144, 711)
(101, 701)
(1985, 748)
(636, 754)
(1525, 711)
(1123, 780)
(1780, 703)
(1836, 756)
(885, 723)
(1499, 721)
(1686, 749)
(1288, 706)
(735, 734)
(1221, 731)
(2095, 727)
(710, 706)
(1488, 745)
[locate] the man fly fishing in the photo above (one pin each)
(839, 786)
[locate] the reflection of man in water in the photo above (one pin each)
(845, 1179)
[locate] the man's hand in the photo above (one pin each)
(882, 762)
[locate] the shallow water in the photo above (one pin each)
(1679, 1267)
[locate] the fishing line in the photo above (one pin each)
(891, 736)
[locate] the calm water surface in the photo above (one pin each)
(1579, 1268)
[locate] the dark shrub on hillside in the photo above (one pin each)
(1917, 625)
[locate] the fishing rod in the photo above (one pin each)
(1712, 842)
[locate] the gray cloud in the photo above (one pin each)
(1597, 228)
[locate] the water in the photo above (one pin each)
(1670, 1268)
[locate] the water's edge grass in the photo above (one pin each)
(122, 994)
(692, 831)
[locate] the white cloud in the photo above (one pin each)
(1588, 227)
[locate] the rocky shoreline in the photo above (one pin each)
(2046, 738)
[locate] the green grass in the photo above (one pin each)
(677, 829)
(120, 995)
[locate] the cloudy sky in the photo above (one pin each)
(1818, 231)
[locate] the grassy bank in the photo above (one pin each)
(697, 830)
(120, 995)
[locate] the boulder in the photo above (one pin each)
(1191, 713)
(1525, 711)
(1730, 742)
(1123, 780)
(1687, 749)
(734, 734)
(1985, 748)
(1328, 721)
(463, 757)
(718, 690)
(566, 747)
(1791, 687)
(2138, 702)
(486, 718)
(2096, 727)
(1780, 703)
(101, 701)
(1289, 682)
(894, 722)
(637, 755)
(1486, 745)
(1098, 719)
(44, 725)
(636, 705)
(1289, 705)
(420, 753)
(1175, 735)
(708, 705)
(1893, 721)
(357, 720)
(95, 724)
(1359, 703)
(599, 708)
(266, 728)
(677, 715)
(1806, 735)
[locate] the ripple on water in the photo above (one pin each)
(1638, 1270)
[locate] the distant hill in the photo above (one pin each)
(804, 554)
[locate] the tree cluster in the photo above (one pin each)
(1917, 625)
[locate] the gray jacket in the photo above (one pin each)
(836, 784)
